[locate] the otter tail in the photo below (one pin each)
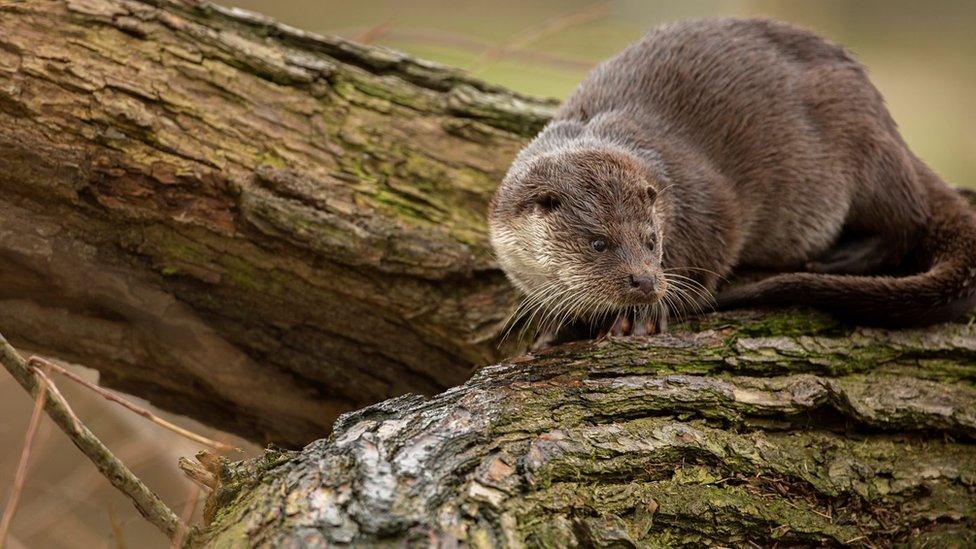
(944, 292)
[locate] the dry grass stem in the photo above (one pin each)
(592, 12)
(374, 33)
(39, 516)
(55, 393)
(188, 509)
(131, 406)
(25, 455)
(34, 381)
(117, 535)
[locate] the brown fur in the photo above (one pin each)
(767, 147)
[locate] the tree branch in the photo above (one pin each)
(146, 502)
(131, 406)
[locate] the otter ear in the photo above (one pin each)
(651, 192)
(546, 202)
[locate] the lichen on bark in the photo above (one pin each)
(706, 435)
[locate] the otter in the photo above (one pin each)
(718, 146)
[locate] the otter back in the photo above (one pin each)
(767, 148)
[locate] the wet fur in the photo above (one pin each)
(769, 149)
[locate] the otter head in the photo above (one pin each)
(579, 232)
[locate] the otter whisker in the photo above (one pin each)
(666, 189)
(551, 320)
(692, 286)
(643, 314)
(666, 306)
(552, 306)
(525, 308)
(560, 314)
(671, 270)
(603, 314)
(675, 296)
(684, 297)
(698, 290)
(691, 281)
(533, 304)
(579, 307)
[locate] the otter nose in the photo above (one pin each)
(643, 284)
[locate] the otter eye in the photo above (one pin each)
(651, 193)
(547, 202)
(652, 241)
(599, 245)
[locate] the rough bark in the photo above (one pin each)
(741, 428)
(242, 221)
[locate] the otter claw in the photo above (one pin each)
(624, 326)
(621, 326)
(544, 341)
(643, 328)
(651, 327)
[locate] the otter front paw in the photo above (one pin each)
(543, 341)
(650, 326)
(625, 326)
(621, 326)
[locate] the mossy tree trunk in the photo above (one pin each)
(243, 222)
(737, 429)
(264, 228)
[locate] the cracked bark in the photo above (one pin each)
(264, 228)
(738, 428)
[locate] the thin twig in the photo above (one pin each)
(146, 502)
(374, 33)
(131, 406)
(188, 509)
(463, 42)
(40, 516)
(592, 12)
(117, 534)
(56, 394)
(21, 475)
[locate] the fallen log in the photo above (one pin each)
(241, 221)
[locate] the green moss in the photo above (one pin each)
(270, 157)
(181, 248)
(683, 515)
(473, 131)
(234, 536)
(351, 93)
(243, 275)
(395, 91)
(792, 323)
(696, 475)
(275, 456)
(407, 209)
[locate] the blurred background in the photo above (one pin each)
(66, 502)
(922, 56)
